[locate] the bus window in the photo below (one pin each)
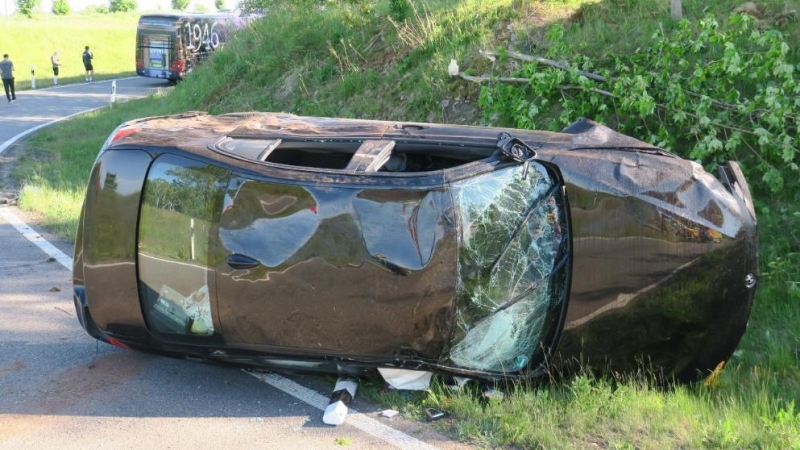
(156, 50)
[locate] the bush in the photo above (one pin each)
(122, 5)
(399, 9)
(248, 6)
(27, 7)
(96, 9)
(180, 5)
(708, 92)
(219, 4)
(60, 7)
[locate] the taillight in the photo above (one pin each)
(119, 133)
(123, 133)
(177, 66)
(117, 343)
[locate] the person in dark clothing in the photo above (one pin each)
(87, 64)
(7, 74)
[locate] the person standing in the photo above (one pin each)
(54, 60)
(7, 74)
(87, 64)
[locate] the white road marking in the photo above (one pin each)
(31, 235)
(313, 398)
(8, 143)
(354, 418)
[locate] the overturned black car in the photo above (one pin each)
(347, 246)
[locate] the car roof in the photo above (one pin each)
(199, 129)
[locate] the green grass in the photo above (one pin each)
(353, 62)
(56, 163)
(30, 42)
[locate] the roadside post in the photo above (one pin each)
(113, 93)
(33, 77)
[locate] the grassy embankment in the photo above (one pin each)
(30, 42)
(353, 61)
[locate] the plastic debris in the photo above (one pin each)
(458, 383)
(434, 414)
(389, 413)
(452, 69)
(411, 380)
(493, 394)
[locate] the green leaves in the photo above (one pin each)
(705, 90)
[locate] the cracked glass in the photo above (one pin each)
(513, 240)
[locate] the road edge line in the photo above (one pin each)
(359, 420)
(36, 238)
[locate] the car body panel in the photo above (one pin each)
(311, 259)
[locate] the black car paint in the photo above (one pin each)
(661, 251)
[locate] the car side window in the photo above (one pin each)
(180, 207)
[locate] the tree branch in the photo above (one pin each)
(546, 62)
(607, 94)
(599, 78)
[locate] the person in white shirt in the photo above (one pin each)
(54, 60)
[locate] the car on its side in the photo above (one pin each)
(345, 246)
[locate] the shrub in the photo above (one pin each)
(61, 7)
(96, 9)
(122, 5)
(180, 5)
(219, 4)
(27, 7)
(399, 9)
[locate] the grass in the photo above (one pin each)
(31, 42)
(351, 61)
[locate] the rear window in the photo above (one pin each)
(181, 204)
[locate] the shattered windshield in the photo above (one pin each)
(513, 240)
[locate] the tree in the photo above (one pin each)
(677, 9)
(27, 7)
(122, 5)
(61, 7)
(219, 4)
(180, 5)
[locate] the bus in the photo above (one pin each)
(170, 46)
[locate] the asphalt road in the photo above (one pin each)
(61, 389)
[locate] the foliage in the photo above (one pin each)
(96, 9)
(399, 9)
(713, 93)
(61, 7)
(219, 4)
(180, 5)
(122, 5)
(27, 8)
(249, 6)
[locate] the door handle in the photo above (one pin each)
(239, 261)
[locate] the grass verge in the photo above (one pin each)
(30, 42)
